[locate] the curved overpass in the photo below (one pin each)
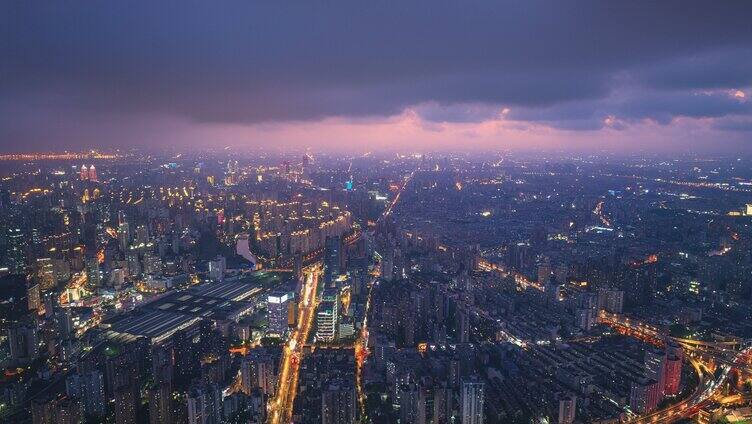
(708, 387)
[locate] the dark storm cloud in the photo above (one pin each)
(560, 63)
(726, 68)
(734, 124)
(633, 105)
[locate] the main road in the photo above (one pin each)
(281, 405)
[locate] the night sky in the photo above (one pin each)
(628, 76)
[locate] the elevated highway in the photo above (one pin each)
(727, 356)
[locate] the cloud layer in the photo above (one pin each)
(94, 73)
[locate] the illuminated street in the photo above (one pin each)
(281, 405)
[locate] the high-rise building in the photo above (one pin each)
(463, 325)
(204, 405)
(672, 377)
(346, 329)
(644, 396)
(122, 217)
(93, 173)
(552, 288)
(160, 404)
(277, 304)
(258, 371)
(472, 398)
(84, 173)
(655, 367)
(217, 268)
(15, 254)
(339, 403)
(544, 271)
(561, 273)
(142, 234)
(407, 397)
(62, 269)
(124, 236)
(674, 349)
(247, 376)
(243, 248)
(23, 344)
(587, 311)
(442, 403)
(34, 296)
(611, 300)
(62, 410)
(89, 388)
(297, 270)
(122, 381)
(134, 264)
(64, 318)
(117, 277)
(387, 264)
(126, 404)
(567, 408)
(327, 316)
(152, 264)
(93, 272)
(332, 259)
(44, 273)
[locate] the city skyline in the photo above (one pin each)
(218, 287)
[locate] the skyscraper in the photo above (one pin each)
(22, 343)
(15, 255)
(339, 403)
(124, 235)
(655, 368)
(472, 398)
(332, 258)
(326, 317)
(142, 234)
(126, 403)
(257, 371)
(93, 272)
(62, 410)
(33, 295)
(672, 378)
(93, 173)
(89, 388)
(644, 396)
(160, 403)
(544, 270)
(611, 300)
(217, 268)
(567, 408)
(387, 264)
(44, 271)
(204, 405)
(277, 308)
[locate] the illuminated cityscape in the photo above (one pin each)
(428, 288)
(253, 212)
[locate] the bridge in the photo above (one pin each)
(729, 355)
(641, 329)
